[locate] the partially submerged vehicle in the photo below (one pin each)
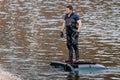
(80, 68)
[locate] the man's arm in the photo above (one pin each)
(63, 26)
(79, 25)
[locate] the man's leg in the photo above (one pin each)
(76, 51)
(69, 46)
(75, 46)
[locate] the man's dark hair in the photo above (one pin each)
(70, 7)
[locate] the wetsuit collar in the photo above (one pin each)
(70, 14)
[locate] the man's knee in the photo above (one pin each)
(75, 46)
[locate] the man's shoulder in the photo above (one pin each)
(76, 15)
(65, 16)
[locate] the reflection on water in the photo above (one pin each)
(29, 36)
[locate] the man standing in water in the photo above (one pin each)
(72, 24)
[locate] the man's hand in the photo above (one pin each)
(61, 34)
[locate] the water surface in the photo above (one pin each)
(29, 37)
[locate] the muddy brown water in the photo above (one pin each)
(29, 37)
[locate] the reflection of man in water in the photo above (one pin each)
(72, 23)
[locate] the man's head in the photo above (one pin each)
(69, 9)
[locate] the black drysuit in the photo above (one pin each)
(72, 35)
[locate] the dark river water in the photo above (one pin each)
(29, 37)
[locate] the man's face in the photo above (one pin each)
(68, 11)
